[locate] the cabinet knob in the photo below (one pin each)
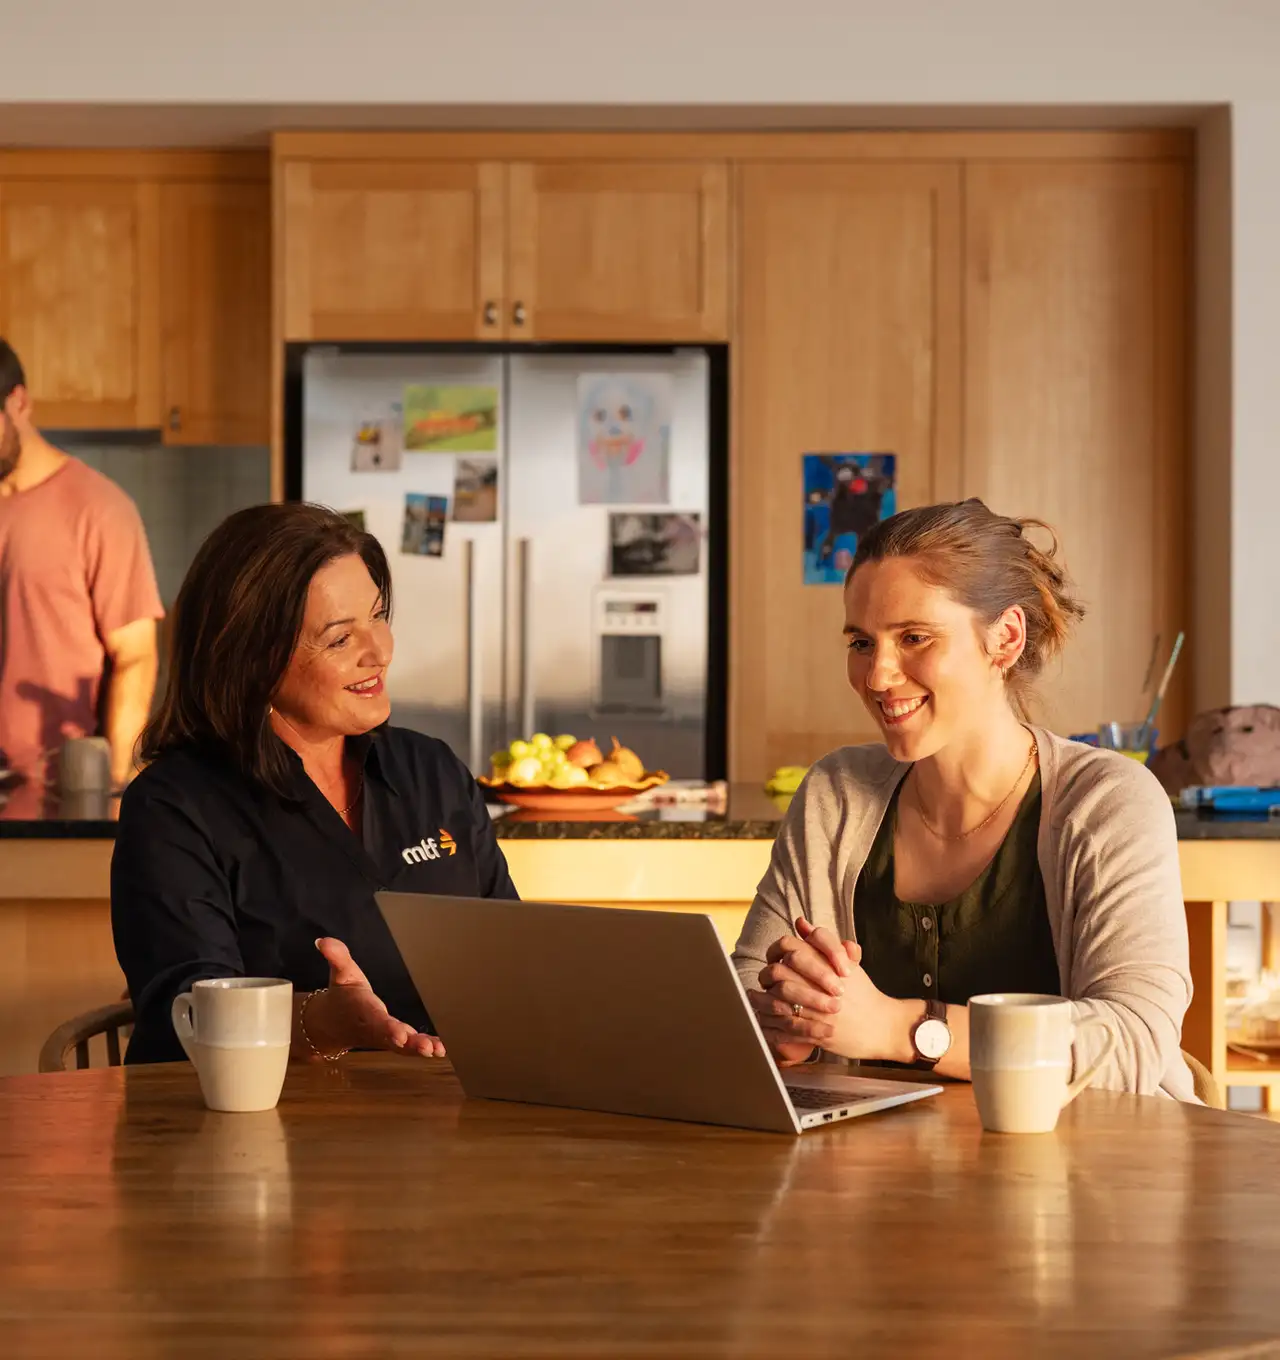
(517, 314)
(175, 419)
(490, 313)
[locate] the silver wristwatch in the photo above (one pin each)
(931, 1035)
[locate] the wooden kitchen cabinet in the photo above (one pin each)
(79, 297)
(215, 255)
(618, 251)
(1076, 407)
(415, 248)
(391, 249)
(1011, 327)
(849, 341)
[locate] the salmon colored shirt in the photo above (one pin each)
(74, 566)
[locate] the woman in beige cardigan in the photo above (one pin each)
(971, 852)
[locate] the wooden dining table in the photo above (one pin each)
(378, 1212)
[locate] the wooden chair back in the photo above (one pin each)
(76, 1033)
(1206, 1087)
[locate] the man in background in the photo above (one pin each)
(78, 599)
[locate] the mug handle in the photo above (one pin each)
(181, 1014)
(1088, 1075)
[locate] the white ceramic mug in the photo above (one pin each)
(236, 1031)
(1020, 1059)
(84, 765)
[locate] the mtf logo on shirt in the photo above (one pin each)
(429, 848)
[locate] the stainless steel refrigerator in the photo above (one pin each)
(524, 624)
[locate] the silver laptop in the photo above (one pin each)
(624, 1011)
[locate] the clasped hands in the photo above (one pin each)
(839, 1010)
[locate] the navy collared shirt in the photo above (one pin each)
(215, 876)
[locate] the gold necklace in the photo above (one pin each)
(964, 835)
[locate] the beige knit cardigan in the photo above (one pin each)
(1108, 853)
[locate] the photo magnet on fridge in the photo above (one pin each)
(475, 490)
(424, 518)
(450, 419)
(376, 445)
(664, 544)
(624, 438)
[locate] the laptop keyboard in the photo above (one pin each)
(814, 1098)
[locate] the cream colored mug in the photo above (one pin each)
(1020, 1059)
(236, 1031)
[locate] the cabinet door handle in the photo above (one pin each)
(517, 314)
(524, 556)
(175, 418)
(490, 313)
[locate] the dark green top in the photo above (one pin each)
(993, 937)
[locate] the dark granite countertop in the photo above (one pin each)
(29, 812)
(748, 813)
(1202, 826)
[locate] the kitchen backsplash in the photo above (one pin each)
(182, 493)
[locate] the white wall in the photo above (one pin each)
(1255, 471)
(642, 51)
(1209, 656)
(803, 52)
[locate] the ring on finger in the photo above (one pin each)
(797, 1009)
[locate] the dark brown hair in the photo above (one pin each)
(11, 374)
(236, 624)
(987, 562)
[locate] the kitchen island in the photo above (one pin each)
(56, 955)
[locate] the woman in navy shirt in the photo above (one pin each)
(276, 799)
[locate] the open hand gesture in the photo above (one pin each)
(350, 1015)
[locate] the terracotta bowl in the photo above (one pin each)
(543, 798)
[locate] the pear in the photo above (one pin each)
(627, 761)
(584, 753)
(607, 775)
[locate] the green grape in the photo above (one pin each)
(520, 749)
(540, 741)
(565, 741)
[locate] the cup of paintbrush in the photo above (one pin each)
(1136, 739)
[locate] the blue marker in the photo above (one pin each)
(1230, 798)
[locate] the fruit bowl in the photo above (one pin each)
(544, 798)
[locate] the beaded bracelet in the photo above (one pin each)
(302, 1027)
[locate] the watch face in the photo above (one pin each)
(932, 1038)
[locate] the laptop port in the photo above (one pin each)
(827, 1118)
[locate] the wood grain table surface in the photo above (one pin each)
(378, 1213)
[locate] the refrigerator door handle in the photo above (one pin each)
(475, 692)
(524, 549)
